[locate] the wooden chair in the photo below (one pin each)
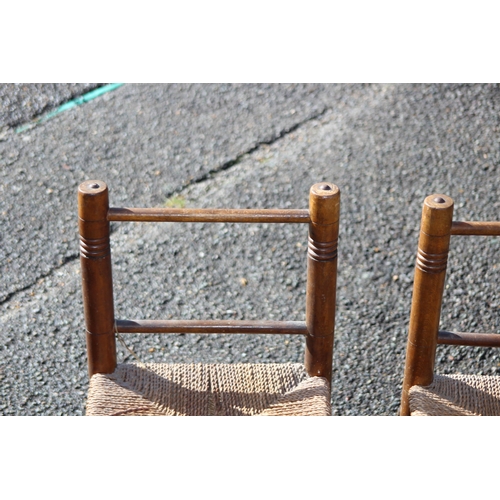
(208, 389)
(425, 393)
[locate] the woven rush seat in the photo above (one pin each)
(457, 395)
(208, 389)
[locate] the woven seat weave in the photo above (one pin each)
(208, 389)
(457, 395)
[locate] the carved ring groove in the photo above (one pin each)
(94, 249)
(432, 263)
(322, 251)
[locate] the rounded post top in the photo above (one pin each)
(93, 202)
(439, 201)
(324, 203)
(324, 190)
(92, 187)
(437, 214)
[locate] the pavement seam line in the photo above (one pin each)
(231, 163)
(77, 101)
(11, 295)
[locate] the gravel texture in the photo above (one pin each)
(385, 146)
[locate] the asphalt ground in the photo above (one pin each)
(385, 146)
(20, 103)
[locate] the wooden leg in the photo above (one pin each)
(97, 285)
(428, 287)
(324, 209)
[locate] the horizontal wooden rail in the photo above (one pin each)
(207, 215)
(470, 339)
(210, 326)
(473, 228)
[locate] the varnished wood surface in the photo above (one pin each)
(475, 228)
(97, 282)
(428, 286)
(211, 326)
(469, 339)
(207, 215)
(324, 208)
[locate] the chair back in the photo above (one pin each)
(322, 218)
(437, 227)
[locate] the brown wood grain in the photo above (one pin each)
(207, 215)
(97, 283)
(428, 286)
(324, 209)
(469, 339)
(475, 228)
(211, 326)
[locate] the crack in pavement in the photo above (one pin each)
(237, 160)
(204, 177)
(48, 274)
(30, 97)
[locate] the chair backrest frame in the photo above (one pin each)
(424, 335)
(322, 217)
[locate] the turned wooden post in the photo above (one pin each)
(428, 287)
(97, 285)
(324, 210)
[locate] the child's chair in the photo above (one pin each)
(425, 393)
(208, 389)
